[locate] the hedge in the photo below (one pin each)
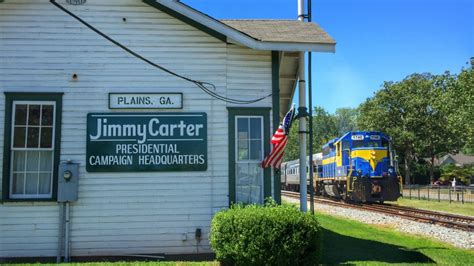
(265, 235)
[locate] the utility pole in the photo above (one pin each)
(302, 113)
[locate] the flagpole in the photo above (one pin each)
(302, 113)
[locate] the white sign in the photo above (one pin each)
(145, 100)
(374, 137)
(357, 137)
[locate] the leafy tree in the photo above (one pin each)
(292, 148)
(460, 101)
(451, 171)
(422, 115)
(346, 120)
(439, 135)
(326, 126)
(394, 110)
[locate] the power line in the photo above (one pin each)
(204, 86)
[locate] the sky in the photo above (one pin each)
(377, 40)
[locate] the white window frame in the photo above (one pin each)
(12, 149)
(236, 149)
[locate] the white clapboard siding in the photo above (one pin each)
(122, 213)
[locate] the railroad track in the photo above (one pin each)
(465, 223)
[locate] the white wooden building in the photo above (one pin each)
(54, 71)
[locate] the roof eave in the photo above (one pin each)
(220, 28)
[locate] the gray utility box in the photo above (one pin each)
(68, 177)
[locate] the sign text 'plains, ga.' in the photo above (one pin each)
(138, 142)
(145, 100)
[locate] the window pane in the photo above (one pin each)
(32, 183)
(46, 137)
(249, 183)
(242, 128)
(17, 183)
(33, 137)
(19, 137)
(34, 115)
(44, 183)
(255, 128)
(46, 160)
(20, 114)
(32, 161)
(243, 150)
(255, 150)
(47, 115)
(19, 161)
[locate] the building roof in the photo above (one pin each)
(276, 35)
(459, 159)
(292, 31)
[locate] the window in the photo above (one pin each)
(31, 152)
(249, 141)
(249, 154)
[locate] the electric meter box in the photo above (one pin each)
(68, 177)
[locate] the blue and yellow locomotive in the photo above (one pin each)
(359, 166)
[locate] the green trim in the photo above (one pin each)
(26, 96)
(258, 111)
(276, 116)
(186, 20)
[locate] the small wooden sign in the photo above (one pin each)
(145, 100)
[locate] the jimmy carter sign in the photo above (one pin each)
(139, 142)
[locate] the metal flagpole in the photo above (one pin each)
(310, 104)
(302, 113)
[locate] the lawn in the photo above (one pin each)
(347, 241)
(444, 206)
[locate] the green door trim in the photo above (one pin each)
(255, 111)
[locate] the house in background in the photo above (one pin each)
(459, 159)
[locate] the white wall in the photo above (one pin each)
(121, 213)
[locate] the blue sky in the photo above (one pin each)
(377, 40)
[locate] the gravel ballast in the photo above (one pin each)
(455, 237)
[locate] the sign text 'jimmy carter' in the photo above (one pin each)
(138, 142)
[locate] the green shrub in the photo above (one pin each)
(265, 235)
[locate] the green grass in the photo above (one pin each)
(347, 241)
(444, 206)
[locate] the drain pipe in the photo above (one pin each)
(60, 233)
(302, 114)
(66, 234)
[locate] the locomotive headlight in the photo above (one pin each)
(391, 171)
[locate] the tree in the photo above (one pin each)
(325, 128)
(346, 120)
(421, 115)
(460, 101)
(394, 111)
(439, 135)
(292, 148)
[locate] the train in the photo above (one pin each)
(359, 166)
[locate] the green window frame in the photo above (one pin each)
(30, 98)
(233, 113)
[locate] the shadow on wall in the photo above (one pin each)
(344, 249)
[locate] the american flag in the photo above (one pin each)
(279, 141)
